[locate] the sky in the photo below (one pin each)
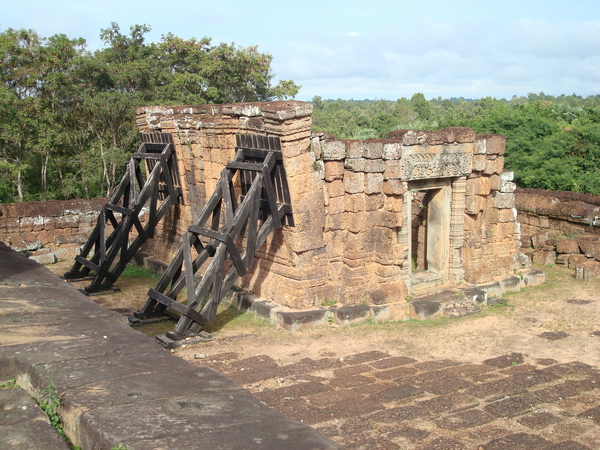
(368, 49)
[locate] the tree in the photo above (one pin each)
(20, 78)
(69, 113)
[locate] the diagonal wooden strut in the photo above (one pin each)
(150, 185)
(251, 199)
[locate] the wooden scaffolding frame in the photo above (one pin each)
(251, 199)
(147, 189)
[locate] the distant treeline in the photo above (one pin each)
(67, 115)
(552, 142)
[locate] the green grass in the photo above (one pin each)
(132, 271)
(227, 316)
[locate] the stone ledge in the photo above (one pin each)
(118, 387)
(448, 303)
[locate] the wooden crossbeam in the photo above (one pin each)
(106, 253)
(250, 201)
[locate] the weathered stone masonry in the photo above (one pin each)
(351, 200)
(49, 230)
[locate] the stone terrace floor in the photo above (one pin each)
(373, 400)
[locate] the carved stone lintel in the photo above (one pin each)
(434, 165)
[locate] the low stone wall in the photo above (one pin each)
(561, 228)
(49, 230)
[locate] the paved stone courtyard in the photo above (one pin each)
(373, 400)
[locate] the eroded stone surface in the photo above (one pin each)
(372, 399)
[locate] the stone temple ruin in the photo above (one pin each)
(376, 222)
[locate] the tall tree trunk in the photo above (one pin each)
(105, 176)
(19, 174)
(45, 172)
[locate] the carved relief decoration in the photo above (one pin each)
(421, 166)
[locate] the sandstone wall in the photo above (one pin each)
(491, 230)
(561, 228)
(557, 212)
(49, 225)
(350, 200)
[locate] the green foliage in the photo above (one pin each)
(67, 116)
(552, 142)
(9, 384)
(50, 404)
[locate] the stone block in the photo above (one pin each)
(495, 182)
(478, 186)
(511, 284)
(508, 186)
(493, 289)
(315, 147)
(334, 222)
(336, 205)
(575, 260)
(392, 151)
(373, 202)
(526, 241)
(393, 203)
(405, 137)
(496, 144)
(507, 215)
(474, 204)
(389, 313)
(354, 182)
(562, 259)
(570, 246)
(588, 245)
(394, 187)
(348, 314)
(355, 203)
(392, 172)
(335, 188)
(539, 239)
(532, 277)
(358, 222)
(597, 249)
(388, 219)
(355, 149)
(503, 200)
(334, 170)
(491, 144)
(298, 320)
(355, 164)
(493, 165)
(373, 183)
(333, 150)
(374, 166)
(373, 150)
(544, 257)
(44, 257)
(479, 163)
(588, 270)
(425, 309)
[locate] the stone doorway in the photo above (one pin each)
(429, 243)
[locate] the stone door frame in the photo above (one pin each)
(445, 228)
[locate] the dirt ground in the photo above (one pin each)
(555, 320)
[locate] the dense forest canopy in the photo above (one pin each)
(67, 115)
(552, 142)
